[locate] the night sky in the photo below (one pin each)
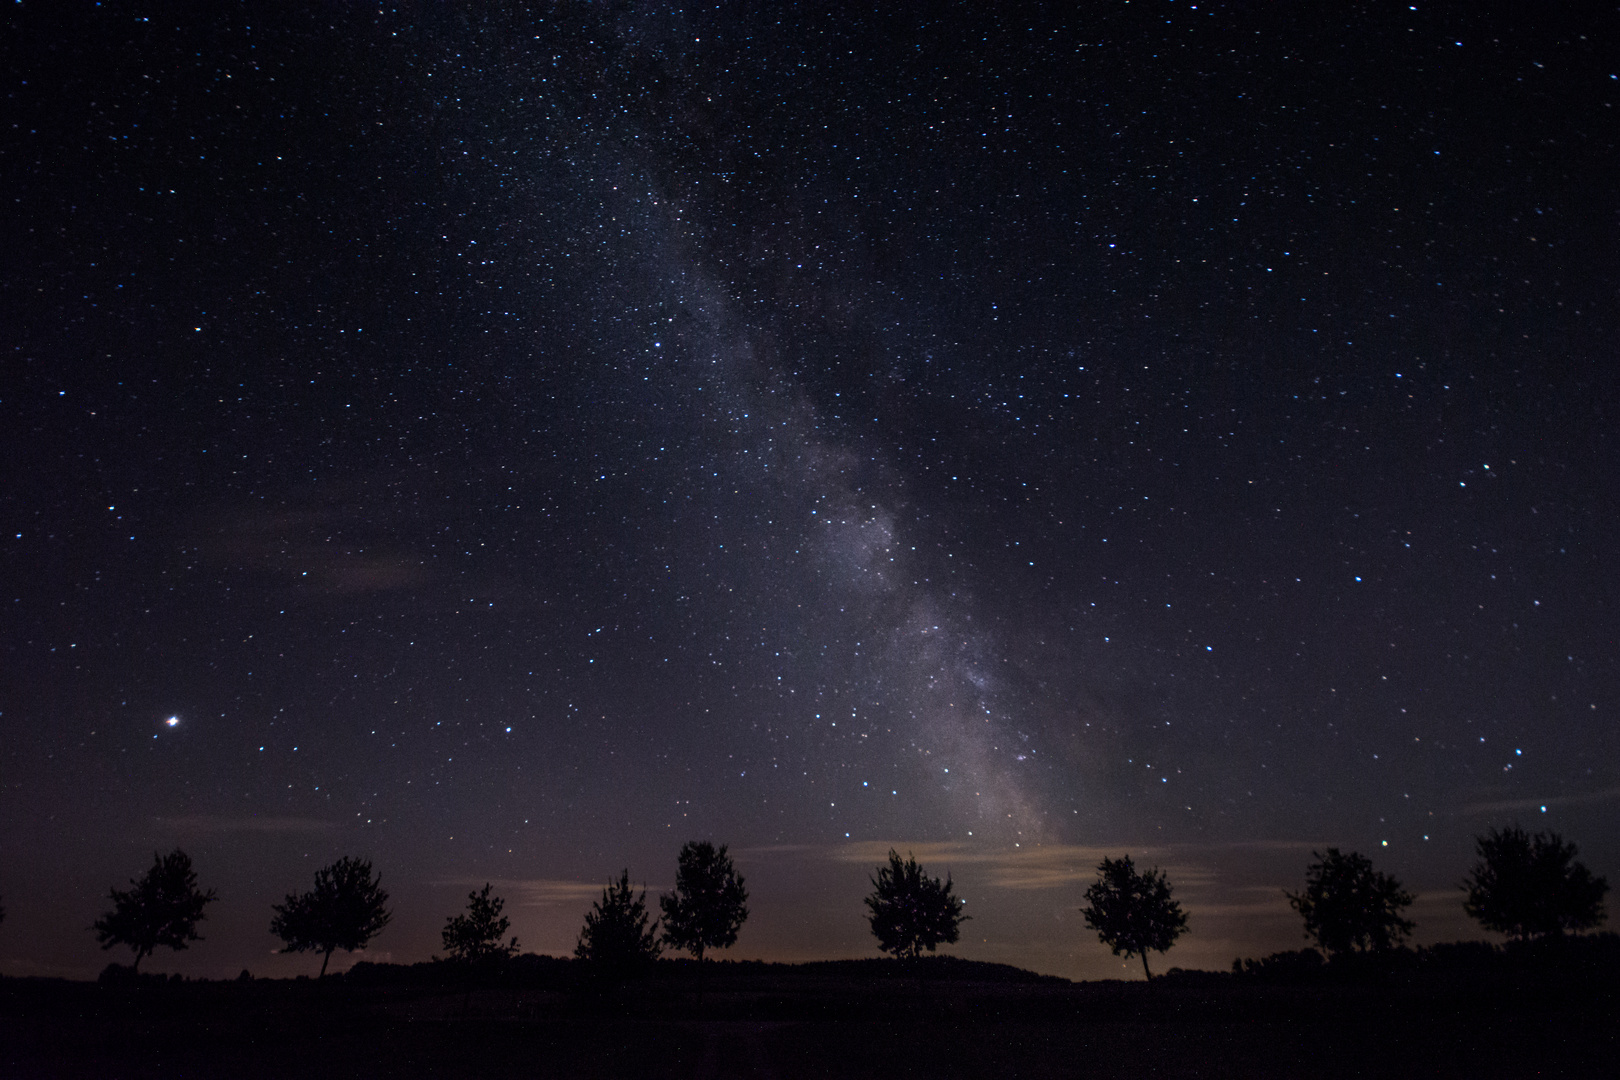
(509, 446)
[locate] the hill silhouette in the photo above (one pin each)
(1452, 1011)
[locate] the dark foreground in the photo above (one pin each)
(830, 1020)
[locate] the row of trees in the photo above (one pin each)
(348, 907)
(345, 910)
(909, 912)
(1523, 885)
(705, 912)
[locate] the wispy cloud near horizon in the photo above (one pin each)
(545, 892)
(1607, 795)
(1041, 866)
(218, 823)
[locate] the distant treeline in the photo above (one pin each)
(1572, 958)
(1528, 887)
(1569, 963)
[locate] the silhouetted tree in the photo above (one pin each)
(910, 911)
(345, 910)
(1350, 907)
(709, 903)
(1531, 886)
(163, 908)
(1133, 912)
(616, 939)
(475, 937)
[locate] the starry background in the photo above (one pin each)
(512, 445)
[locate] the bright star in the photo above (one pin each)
(173, 721)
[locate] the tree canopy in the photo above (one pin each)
(163, 907)
(709, 903)
(616, 938)
(1350, 907)
(345, 910)
(474, 937)
(1528, 886)
(910, 911)
(1133, 912)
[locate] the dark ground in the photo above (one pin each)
(830, 1020)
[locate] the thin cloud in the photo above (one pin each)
(965, 852)
(294, 539)
(1275, 845)
(776, 849)
(862, 851)
(1536, 804)
(215, 823)
(279, 543)
(547, 892)
(1038, 866)
(1278, 906)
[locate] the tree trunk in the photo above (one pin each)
(1145, 970)
(324, 961)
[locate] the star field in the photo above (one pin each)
(508, 446)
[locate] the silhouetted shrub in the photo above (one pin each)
(116, 974)
(939, 966)
(1300, 965)
(1132, 912)
(529, 971)
(345, 910)
(1373, 965)
(1460, 956)
(1528, 886)
(127, 976)
(1552, 965)
(910, 911)
(1194, 977)
(709, 903)
(1350, 907)
(1584, 952)
(616, 940)
(475, 937)
(163, 908)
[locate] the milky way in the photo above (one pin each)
(909, 672)
(513, 445)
